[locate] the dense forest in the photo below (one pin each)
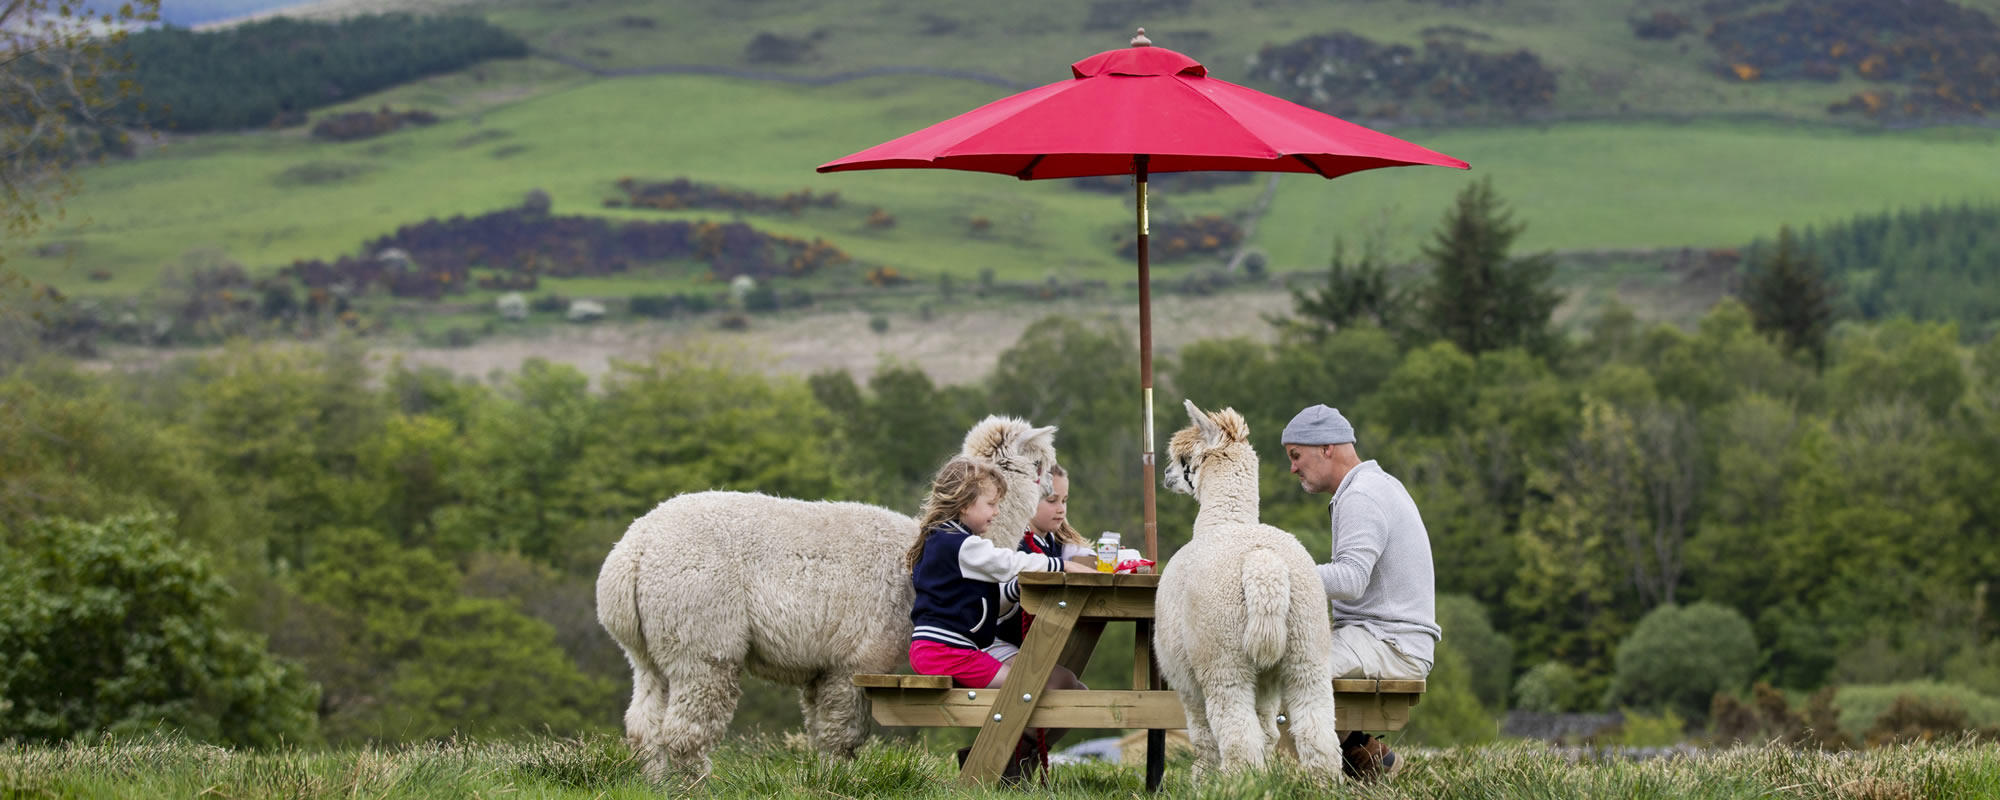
(275, 70)
(302, 546)
(1939, 263)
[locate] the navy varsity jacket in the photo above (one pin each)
(958, 579)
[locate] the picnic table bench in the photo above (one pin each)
(1071, 610)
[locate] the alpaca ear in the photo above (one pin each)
(1045, 436)
(1211, 435)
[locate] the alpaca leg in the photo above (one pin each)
(1310, 710)
(838, 720)
(809, 710)
(699, 708)
(1232, 717)
(1206, 757)
(646, 718)
(1270, 694)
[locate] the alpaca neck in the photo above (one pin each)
(1228, 490)
(1017, 509)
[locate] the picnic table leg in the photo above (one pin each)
(1145, 675)
(1028, 675)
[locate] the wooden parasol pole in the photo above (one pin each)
(1146, 364)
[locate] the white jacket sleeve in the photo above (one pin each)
(981, 560)
(1363, 532)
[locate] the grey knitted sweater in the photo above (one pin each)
(1380, 577)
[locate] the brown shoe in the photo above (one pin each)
(1367, 759)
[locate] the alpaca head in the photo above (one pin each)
(1211, 433)
(1024, 454)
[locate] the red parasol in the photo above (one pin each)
(1137, 111)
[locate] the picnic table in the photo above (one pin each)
(1071, 610)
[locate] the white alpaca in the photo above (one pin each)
(1243, 623)
(805, 593)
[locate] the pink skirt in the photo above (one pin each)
(973, 669)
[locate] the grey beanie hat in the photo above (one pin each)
(1319, 425)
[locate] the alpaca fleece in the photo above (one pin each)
(1242, 621)
(799, 592)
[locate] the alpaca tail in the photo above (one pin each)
(1267, 593)
(618, 604)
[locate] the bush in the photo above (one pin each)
(1643, 730)
(1550, 687)
(117, 627)
(878, 323)
(549, 304)
(1488, 654)
(1914, 719)
(1862, 706)
(1450, 713)
(1679, 657)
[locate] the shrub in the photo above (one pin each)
(1488, 654)
(1644, 730)
(549, 304)
(1862, 706)
(1550, 687)
(1679, 657)
(878, 323)
(118, 627)
(1450, 713)
(1915, 719)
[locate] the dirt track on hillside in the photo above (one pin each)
(951, 347)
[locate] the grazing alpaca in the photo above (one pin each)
(1243, 620)
(799, 592)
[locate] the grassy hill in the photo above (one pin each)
(267, 198)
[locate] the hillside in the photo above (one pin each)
(1664, 152)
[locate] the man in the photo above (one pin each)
(1379, 581)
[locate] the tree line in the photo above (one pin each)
(1639, 517)
(275, 70)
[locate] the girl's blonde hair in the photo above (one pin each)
(1067, 534)
(957, 485)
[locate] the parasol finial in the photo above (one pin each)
(1141, 40)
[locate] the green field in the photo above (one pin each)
(1604, 67)
(600, 767)
(533, 125)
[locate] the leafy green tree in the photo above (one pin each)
(1355, 291)
(1451, 714)
(1085, 379)
(405, 655)
(901, 430)
(116, 628)
(80, 445)
(1790, 298)
(1549, 687)
(1899, 361)
(1489, 657)
(1479, 296)
(59, 65)
(517, 482)
(1566, 586)
(1678, 657)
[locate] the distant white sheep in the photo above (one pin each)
(805, 593)
(1242, 621)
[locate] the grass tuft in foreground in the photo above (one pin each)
(601, 767)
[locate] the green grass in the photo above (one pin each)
(1578, 186)
(1603, 67)
(600, 767)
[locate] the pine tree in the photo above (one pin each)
(1355, 290)
(1479, 297)
(1790, 297)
